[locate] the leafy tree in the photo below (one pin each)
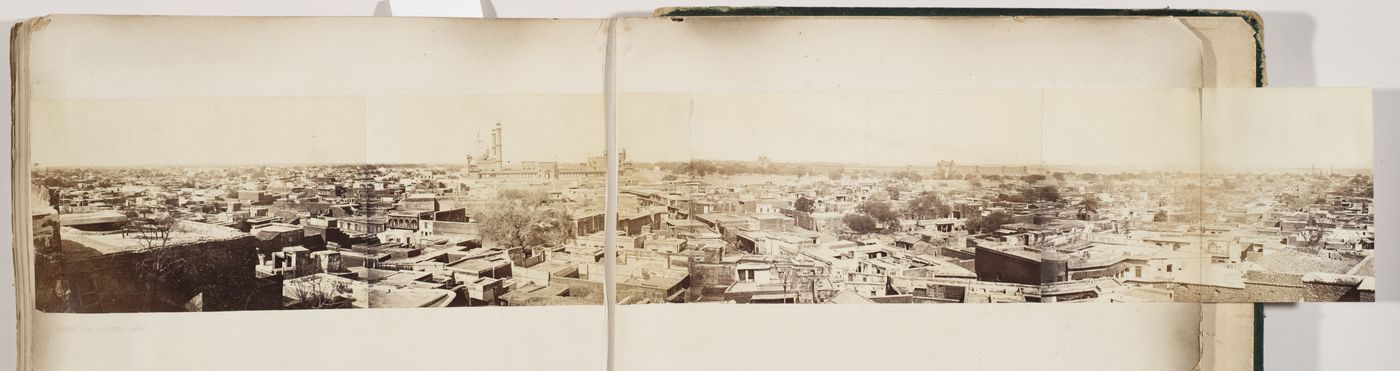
(1088, 205)
(836, 174)
(989, 223)
(1033, 178)
(926, 206)
(1359, 186)
(804, 204)
(524, 218)
(1047, 193)
(893, 192)
(907, 175)
(882, 211)
(859, 223)
(700, 168)
(1034, 194)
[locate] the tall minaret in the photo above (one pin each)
(496, 147)
(471, 159)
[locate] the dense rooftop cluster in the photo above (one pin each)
(802, 233)
(328, 236)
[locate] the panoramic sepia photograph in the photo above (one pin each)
(986, 196)
(318, 203)
(414, 164)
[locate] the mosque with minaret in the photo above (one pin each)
(492, 164)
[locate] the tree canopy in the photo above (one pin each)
(989, 223)
(860, 223)
(804, 204)
(926, 206)
(882, 211)
(524, 218)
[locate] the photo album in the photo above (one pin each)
(621, 194)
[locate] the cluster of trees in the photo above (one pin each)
(989, 223)
(870, 215)
(702, 168)
(1042, 193)
(56, 182)
(1035, 178)
(1358, 186)
(1030, 179)
(804, 204)
(893, 191)
(1032, 194)
(860, 223)
(837, 174)
(882, 211)
(525, 218)
(1061, 176)
(907, 175)
(927, 206)
(698, 168)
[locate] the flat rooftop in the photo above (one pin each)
(96, 217)
(1017, 252)
(277, 228)
(183, 233)
(480, 264)
(386, 297)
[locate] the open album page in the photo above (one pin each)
(813, 161)
(364, 193)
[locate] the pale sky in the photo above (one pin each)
(273, 90)
(564, 128)
(1156, 129)
(333, 130)
(226, 131)
(1125, 127)
(811, 90)
(143, 90)
(1288, 128)
(84, 57)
